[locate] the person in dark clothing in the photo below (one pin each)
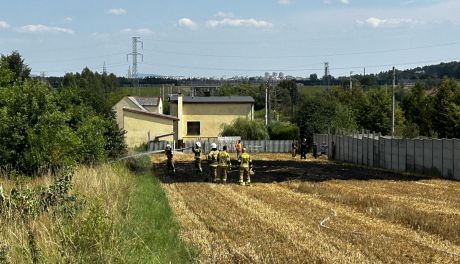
(303, 149)
(170, 156)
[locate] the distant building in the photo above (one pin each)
(203, 117)
(143, 119)
(191, 117)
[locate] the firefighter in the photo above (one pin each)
(212, 161)
(224, 163)
(238, 149)
(170, 155)
(197, 150)
(245, 163)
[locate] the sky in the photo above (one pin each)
(225, 38)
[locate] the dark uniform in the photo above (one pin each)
(303, 149)
(170, 162)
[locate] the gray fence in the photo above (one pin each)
(427, 156)
(253, 146)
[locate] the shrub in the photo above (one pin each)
(283, 131)
(246, 129)
(139, 163)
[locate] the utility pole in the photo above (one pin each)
(104, 69)
(393, 101)
(134, 54)
(327, 74)
(266, 103)
(351, 82)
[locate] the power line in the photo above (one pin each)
(303, 56)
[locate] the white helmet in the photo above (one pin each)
(198, 144)
(168, 146)
(213, 145)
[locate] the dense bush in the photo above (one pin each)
(246, 129)
(38, 132)
(283, 131)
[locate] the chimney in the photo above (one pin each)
(180, 99)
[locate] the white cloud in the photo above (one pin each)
(224, 14)
(187, 23)
(140, 31)
(4, 25)
(388, 22)
(345, 2)
(39, 28)
(284, 2)
(251, 22)
(327, 2)
(68, 19)
(117, 11)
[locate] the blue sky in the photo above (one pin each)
(231, 37)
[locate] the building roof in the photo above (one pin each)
(131, 110)
(144, 101)
(147, 101)
(214, 99)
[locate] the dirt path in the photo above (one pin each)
(317, 212)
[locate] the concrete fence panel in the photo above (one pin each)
(365, 151)
(418, 152)
(402, 155)
(379, 152)
(387, 155)
(359, 151)
(370, 152)
(340, 148)
(437, 156)
(456, 159)
(428, 155)
(394, 154)
(355, 150)
(346, 148)
(410, 155)
(447, 158)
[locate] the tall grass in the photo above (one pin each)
(109, 216)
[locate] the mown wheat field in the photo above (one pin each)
(316, 212)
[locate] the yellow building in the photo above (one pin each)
(142, 127)
(143, 120)
(147, 104)
(203, 117)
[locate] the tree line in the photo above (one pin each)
(43, 129)
(418, 112)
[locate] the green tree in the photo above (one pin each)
(375, 111)
(246, 129)
(446, 115)
(417, 109)
(14, 62)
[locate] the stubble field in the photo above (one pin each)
(315, 212)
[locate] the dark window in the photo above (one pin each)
(193, 128)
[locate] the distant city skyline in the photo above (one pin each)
(209, 38)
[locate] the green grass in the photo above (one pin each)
(152, 224)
